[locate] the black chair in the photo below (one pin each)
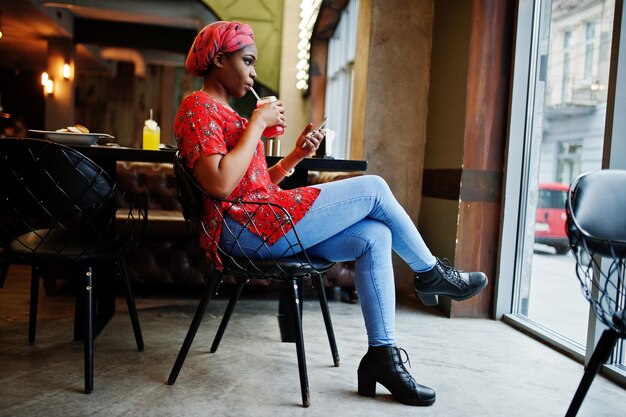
(596, 227)
(58, 209)
(292, 268)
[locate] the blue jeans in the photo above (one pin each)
(359, 219)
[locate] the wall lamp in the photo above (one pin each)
(48, 83)
(67, 71)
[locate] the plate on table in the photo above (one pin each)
(71, 138)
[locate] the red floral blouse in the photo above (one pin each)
(203, 127)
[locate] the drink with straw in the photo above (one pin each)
(272, 131)
(151, 134)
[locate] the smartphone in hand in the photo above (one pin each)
(321, 125)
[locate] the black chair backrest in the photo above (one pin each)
(292, 262)
(596, 226)
(596, 210)
(41, 175)
(56, 205)
(190, 196)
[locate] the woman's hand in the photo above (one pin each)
(222, 173)
(269, 114)
(309, 140)
(307, 143)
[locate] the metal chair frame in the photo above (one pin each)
(596, 227)
(292, 268)
(58, 209)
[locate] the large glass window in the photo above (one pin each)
(565, 81)
(339, 80)
(569, 162)
(559, 115)
(590, 43)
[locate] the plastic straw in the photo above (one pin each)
(255, 94)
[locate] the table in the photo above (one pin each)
(107, 156)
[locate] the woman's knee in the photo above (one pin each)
(366, 236)
(377, 234)
(375, 184)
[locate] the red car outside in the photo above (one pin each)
(550, 216)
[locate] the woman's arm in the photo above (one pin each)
(307, 143)
(219, 174)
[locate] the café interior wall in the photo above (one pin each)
(22, 96)
(126, 99)
(119, 104)
(395, 123)
(297, 106)
(60, 104)
(439, 214)
(438, 224)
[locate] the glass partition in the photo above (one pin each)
(561, 107)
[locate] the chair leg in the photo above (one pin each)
(321, 294)
(193, 328)
(88, 337)
(229, 311)
(130, 302)
(600, 356)
(34, 299)
(297, 327)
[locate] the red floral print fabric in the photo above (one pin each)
(204, 127)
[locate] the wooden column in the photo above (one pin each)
(488, 85)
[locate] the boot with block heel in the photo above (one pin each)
(445, 280)
(383, 364)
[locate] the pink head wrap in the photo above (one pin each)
(216, 37)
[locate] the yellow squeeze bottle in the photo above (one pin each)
(151, 134)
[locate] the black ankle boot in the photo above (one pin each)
(445, 280)
(384, 365)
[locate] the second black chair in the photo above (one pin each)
(596, 226)
(58, 209)
(292, 268)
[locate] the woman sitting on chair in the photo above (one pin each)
(353, 219)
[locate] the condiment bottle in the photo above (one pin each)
(151, 134)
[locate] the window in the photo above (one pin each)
(569, 161)
(561, 124)
(590, 37)
(551, 198)
(566, 83)
(339, 73)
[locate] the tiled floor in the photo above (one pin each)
(479, 368)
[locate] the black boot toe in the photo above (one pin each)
(445, 280)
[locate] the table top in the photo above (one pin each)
(167, 155)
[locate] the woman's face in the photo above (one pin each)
(240, 72)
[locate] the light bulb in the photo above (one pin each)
(49, 86)
(67, 71)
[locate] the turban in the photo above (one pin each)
(216, 37)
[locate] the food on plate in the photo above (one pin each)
(74, 129)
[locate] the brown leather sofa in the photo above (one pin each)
(167, 255)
